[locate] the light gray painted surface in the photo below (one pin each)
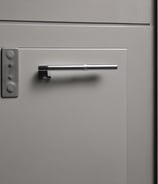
(34, 139)
(71, 129)
(113, 11)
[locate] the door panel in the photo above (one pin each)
(139, 77)
(70, 129)
(111, 11)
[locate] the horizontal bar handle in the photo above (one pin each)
(43, 69)
(77, 67)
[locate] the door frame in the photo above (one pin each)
(155, 91)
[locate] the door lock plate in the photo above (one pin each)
(9, 73)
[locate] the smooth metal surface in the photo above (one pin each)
(43, 69)
(38, 149)
(9, 81)
(78, 67)
(85, 141)
(98, 11)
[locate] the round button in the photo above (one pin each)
(11, 86)
(10, 54)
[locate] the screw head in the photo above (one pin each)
(10, 77)
(10, 65)
(10, 54)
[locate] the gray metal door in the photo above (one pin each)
(80, 126)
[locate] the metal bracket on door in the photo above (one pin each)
(9, 73)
